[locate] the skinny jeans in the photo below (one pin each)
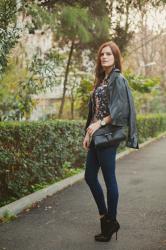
(106, 159)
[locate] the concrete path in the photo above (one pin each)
(69, 219)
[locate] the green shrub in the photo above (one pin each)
(150, 125)
(35, 152)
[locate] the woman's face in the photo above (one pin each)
(107, 57)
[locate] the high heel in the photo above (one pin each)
(103, 228)
(110, 227)
(116, 234)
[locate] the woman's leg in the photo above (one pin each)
(91, 172)
(107, 159)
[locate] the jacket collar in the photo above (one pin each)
(113, 74)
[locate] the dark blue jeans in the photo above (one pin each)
(106, 159)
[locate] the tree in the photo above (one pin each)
(78, 29)
(97, 7)
(122, 22)
(9, 33)
(146, 91)
(83, 93)
(18, 85)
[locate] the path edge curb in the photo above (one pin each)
(18, 206)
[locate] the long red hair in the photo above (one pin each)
(99, 72)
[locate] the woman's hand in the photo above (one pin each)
(93, 127)
(86, 141)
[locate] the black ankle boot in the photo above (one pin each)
(103, 227)
(110, 227)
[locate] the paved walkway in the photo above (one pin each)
(68, 220)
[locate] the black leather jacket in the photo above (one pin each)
(121, 106)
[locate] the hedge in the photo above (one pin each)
(36, 152)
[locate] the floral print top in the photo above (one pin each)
(100, 102)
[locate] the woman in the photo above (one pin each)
(117, 110)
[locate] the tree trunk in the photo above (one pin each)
(65, 80)
(72, 108)
(127, 18)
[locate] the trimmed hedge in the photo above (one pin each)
(150, 125)
(36, 152)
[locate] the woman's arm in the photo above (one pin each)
(107, 119)
(96, 125)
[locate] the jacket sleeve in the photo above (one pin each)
(118, 104)
(132, 140)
